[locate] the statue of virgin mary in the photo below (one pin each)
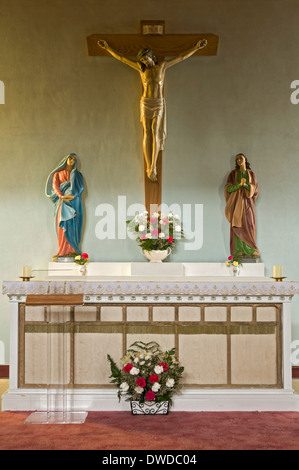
(64, 187)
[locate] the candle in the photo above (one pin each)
(277, 271)
(26, 271)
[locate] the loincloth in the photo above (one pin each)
(151, 108)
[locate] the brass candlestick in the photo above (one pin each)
(26, 278)
(278, 279)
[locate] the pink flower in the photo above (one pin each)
(155, 232)
(150, 396)
(230, 258)
(170, 239)
(166, 221)
(164, 365)
(141, 382)
(153, 221)
(128, 367)
(84, 255)
(154, 378)
(143, 237)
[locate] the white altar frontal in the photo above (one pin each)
(231, 334)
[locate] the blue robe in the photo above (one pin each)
(71, 214)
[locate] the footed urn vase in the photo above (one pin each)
(156, 256)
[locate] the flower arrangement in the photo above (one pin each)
(81, 259)
(158, 232)
(147, 373)
(233, 260)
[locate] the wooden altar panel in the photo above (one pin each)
(253, 359)
(95, 347)
(220, 345)
(76, 299)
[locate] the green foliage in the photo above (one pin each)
(146, 372)
(235, 258)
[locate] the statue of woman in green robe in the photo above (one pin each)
(241, 191)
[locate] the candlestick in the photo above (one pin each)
(277, 271)
(26, 273)
(277, 274)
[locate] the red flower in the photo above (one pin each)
(153, 378)
(164, 365)
(128, 367)
(170, 239)
(141, 382)
(230, 258)
(84, 255)
(150, 396)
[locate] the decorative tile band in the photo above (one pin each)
(98, 299)
(167, 299)
(153, 288)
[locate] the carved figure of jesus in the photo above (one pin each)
(152, 104)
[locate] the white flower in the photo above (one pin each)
(141, 228)
(134, 371)
(170, 383)
(124, 387)
(148, 235)
(147, 357)
(78, 258)
(158, 369)
(156, 387)
(161, 235)
(136, 360)
(138, 389)
(142, 362)
(177, 228)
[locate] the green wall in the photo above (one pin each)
(59, 100)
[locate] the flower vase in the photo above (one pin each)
(236, 271)
(149, 408)
(156, 256)
(83, 269)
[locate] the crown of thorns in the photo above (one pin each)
(144, 52)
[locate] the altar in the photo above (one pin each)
(231, 334)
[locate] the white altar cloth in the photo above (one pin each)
(159, 279)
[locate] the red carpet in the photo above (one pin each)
(176, 431)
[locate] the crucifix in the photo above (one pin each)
(149, 50)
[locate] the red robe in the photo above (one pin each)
(240, 210)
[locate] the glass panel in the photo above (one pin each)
(58, 400)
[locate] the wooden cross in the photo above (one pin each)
(152, 36)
